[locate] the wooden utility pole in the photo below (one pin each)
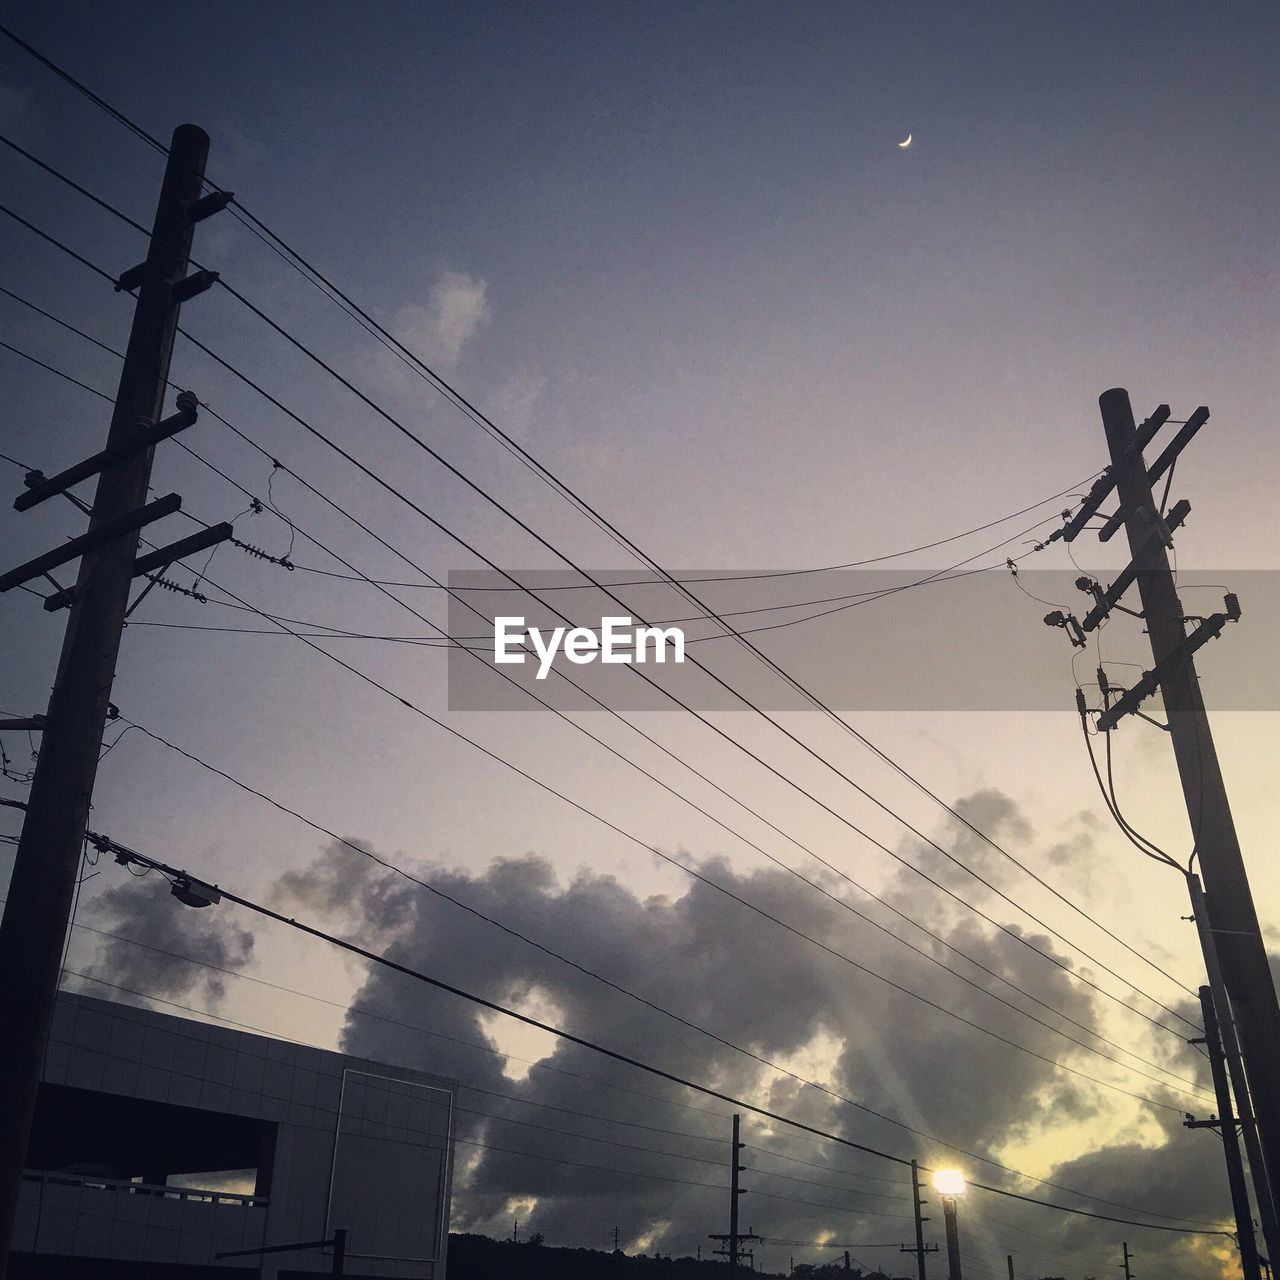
(1009, 1259)
(1232, 915)
(1229, 1045)
(48, 855)
(1128, 1258)
(1225, 1124)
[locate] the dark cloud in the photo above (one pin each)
(147, 913)
(721, 967)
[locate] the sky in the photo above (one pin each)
(678, 255)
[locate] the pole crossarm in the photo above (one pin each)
(1106, 482)
(1161, 465)
(1107, 599)
(156, 561)
(32, 723)
(91, 541)
(40, 489)
(1130, 700)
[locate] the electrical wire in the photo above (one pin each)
(703, 879)
(841, 902)
(308, 271)
(793, 871)
(948, 1011)
(539, 1066)
(123, 852)
(728, 738)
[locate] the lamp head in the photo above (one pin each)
(948, 1182)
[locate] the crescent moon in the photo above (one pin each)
(905, 144)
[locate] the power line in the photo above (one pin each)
(1019, 937)
(309, 271)
(736, 897)
(812, 884)
(633, 669)
(488, 1146)
(856, 1211)
(379, 1017)
(949, 1012)
(596, 1081)
(126, 855)
(732, 577)
(1026, 942)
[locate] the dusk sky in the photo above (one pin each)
(676, 252)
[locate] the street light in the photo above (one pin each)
(949, 1184)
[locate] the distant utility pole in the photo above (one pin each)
(921, 1250)
(615, 1239)
(1229, 1045)
(1128, 1257)
(1225, 1124)
(48, 856)
(733, 1242)
(1232, 919)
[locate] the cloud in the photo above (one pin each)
(457, 308)
(147, 913)
(660, 1171)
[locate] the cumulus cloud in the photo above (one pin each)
(457, 308)
(527, 1136)
(147, 913)
(575, 1144)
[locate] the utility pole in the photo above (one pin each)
(1128, 1257)
(732, 1242)
(48, 855)
(1009, 1259)
(1232, 915)
(1225, 1124)
(1230, 1047)
(734, 1192)
(615, 1239)
(921, 1249)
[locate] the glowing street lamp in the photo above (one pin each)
(949, 1184)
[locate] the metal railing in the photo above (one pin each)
(59, 1178)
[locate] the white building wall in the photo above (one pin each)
(398, 1123)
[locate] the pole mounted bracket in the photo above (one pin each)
(1161, 465)
(1104, 484)
(31, 723)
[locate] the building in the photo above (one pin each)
(160, 1141)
